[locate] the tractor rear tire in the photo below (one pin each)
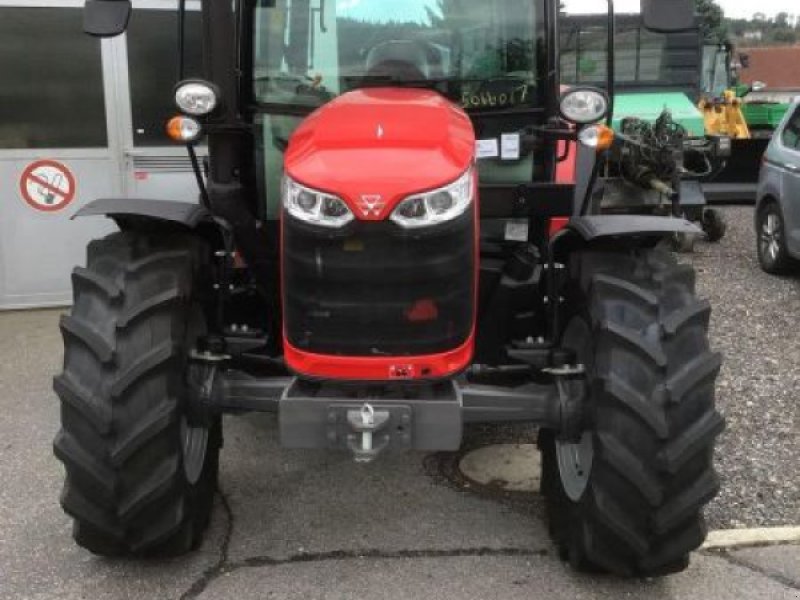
(627, 498)
(140, 471)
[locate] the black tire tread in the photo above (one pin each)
(80, 400)
(85, 333)
(121, 391)
(653, 417)
(81, 276)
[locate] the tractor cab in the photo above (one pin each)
(397, 235)
(487, 58)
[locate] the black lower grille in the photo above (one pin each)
(378, 290)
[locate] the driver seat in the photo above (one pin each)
(400, 59)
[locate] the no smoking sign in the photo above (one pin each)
(47, 185)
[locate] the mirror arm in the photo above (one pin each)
(611, 62)
(181, 35)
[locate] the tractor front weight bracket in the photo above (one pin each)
(367, 419)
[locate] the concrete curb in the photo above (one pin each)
(741, 538)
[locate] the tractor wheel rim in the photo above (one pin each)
(194, 442)
(194, 439)
(575, 458)
(575, 465)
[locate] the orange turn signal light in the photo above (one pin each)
(183, 129)
(599, 137)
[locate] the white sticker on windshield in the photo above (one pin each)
(487, 148)
(509, 146)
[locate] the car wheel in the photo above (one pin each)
(771, 240)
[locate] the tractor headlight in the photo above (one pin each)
(197, 98)
(313, 206)
(584, 105)
(436, 206)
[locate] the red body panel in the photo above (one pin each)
(381, 145)
(565, 173)
(565, 170)
(382, 368)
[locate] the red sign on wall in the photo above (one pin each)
(47, 185)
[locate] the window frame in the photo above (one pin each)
(794, 121)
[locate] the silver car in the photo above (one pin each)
(778, 204)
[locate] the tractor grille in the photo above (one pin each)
(378, 290)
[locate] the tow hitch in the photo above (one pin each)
(365, 424)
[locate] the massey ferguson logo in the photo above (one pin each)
(371, 205)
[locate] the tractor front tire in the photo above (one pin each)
(627, 496)
(141, 470)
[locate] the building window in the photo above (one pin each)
(51, 94)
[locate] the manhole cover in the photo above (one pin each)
(504, 467)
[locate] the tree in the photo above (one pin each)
(712, 22)
(786, 36)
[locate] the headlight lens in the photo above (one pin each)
(436, 206)
(584, 105)
(196, 98)
(313, 206)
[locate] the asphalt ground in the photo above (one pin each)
(291, 524)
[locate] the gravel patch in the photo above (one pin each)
(756, 325)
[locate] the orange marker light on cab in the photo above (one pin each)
(184, 129)
(599, 137)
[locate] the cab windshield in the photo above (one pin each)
(482, 54)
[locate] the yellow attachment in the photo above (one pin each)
(723, 116)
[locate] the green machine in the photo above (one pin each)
(655, 72)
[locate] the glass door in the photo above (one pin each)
(59, 148)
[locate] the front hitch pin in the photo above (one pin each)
(368, 421)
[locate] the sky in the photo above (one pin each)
(733, 8)
(738, 9)
(382, 10)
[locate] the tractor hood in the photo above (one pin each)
(648, 106)
(385, 142)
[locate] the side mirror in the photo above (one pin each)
(106, 18)
(666, 16)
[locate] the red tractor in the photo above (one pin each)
(398, 234)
